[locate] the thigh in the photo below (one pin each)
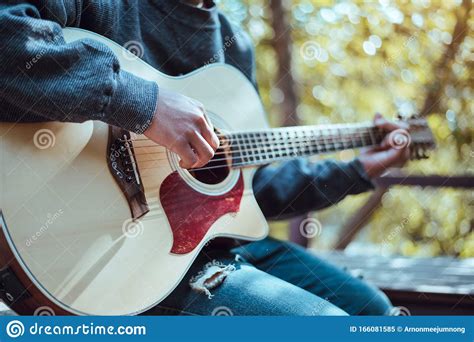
(303, 269)
(245, 291)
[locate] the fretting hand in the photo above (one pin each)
(392, 152)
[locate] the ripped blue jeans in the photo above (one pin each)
(270, 277)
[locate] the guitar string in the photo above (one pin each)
(264, 155)
(299, 129)
(243, 163)
(280, 136)
(279, 143)
(233, 165)
(269, 153)
(247, 160)
(244, 139)
(259, 142)
(265, 150)
(284, 143)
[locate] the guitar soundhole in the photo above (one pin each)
(215, 171)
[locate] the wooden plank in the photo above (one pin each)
(425, 286)
(442, 275)
(463, 182)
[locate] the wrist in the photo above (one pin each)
(132, 104)
(360, 165)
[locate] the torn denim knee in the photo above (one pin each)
(212, 275)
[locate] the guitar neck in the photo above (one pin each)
(261, 147)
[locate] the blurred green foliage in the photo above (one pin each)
(354, 58)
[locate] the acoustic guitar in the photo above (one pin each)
(99, 221)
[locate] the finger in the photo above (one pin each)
(390, 158)
(207, 131)
(202, 148)
(388, 125)
(398, 139)
(396, 158)
(186, 154)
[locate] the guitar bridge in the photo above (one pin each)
(123, 166)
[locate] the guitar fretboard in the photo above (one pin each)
(261, 147)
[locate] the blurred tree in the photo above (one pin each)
(282, 44)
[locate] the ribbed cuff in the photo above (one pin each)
(133, 103)
(358, 170)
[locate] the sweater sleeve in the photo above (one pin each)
(42, 75)
(299, 186)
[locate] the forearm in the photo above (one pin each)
(299, 186)
(44, 77)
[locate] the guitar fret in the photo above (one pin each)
(252, 146)
(354, 143)
(262, 153)
(327, 137)
(267, 146)
(245, 149)
(294, 142)
(345, 138)
(236, 149)
(283, 143)
(335, 138)
(301, 142)
(372, 138)
(276, 149)
(362, 138)
(321, 146)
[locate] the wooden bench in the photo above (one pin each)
(425, 286)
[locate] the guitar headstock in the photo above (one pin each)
(420, 135)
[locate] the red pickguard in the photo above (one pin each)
(191, 213)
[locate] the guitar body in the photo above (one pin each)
(68, 233)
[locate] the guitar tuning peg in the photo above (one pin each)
(422, 153)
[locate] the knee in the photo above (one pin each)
(371, 302)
